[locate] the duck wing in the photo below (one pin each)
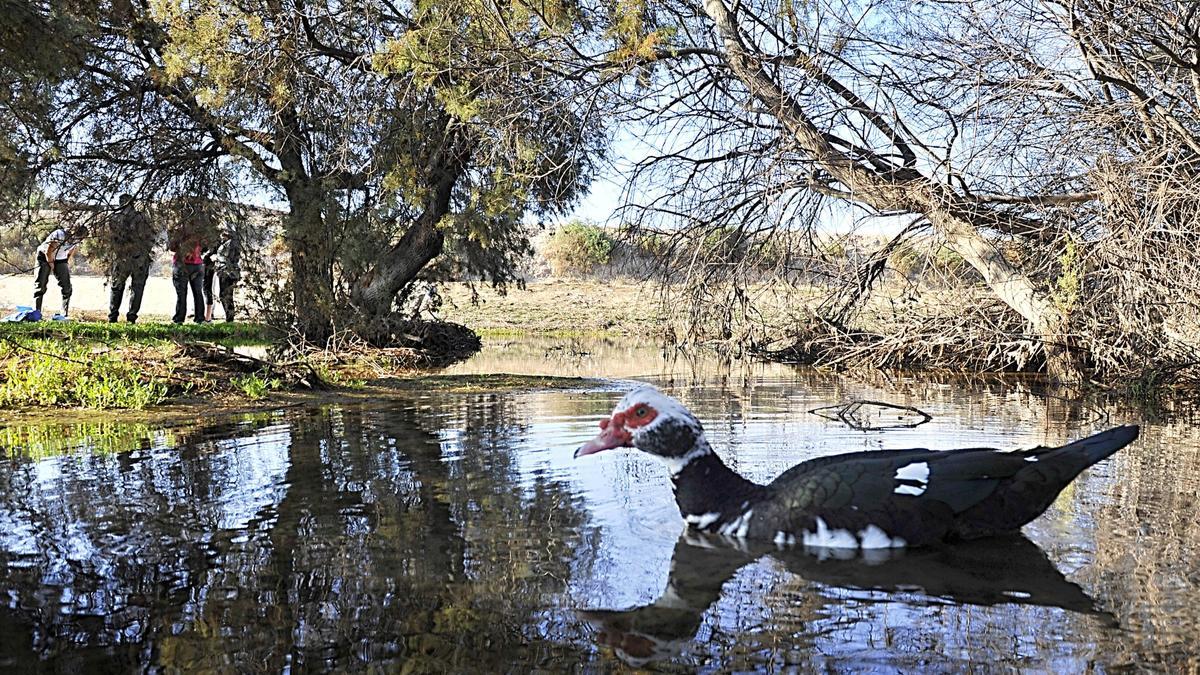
(922, 496)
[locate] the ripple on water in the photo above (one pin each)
(457, 532)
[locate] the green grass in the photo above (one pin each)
(103, 365)
(56, 373)
(256, 386)
(339, 377)
(231, 334)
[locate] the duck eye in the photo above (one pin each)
(641, 411)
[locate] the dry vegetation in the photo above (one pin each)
(566, 307)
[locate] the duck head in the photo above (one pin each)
(652, 422)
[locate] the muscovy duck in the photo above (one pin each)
(864, 500)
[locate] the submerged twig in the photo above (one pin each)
(849, 414)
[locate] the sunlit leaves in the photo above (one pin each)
(206, 47)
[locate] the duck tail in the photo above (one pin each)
(1074, 457)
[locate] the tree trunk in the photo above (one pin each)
(397, 268)
(400, 264)
(905, 189)
(312, 263)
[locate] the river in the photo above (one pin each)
(443, 532)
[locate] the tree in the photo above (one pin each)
(393, 132)
(1025, 125)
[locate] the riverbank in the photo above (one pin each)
(160, 370)
(54, 364)
(91, 364)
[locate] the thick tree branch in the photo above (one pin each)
(907, 191)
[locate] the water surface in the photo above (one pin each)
(454, 532)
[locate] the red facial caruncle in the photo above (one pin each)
(617, 432)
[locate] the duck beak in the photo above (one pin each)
(611, 436)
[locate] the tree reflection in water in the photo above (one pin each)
(329, 540)
(453, 532)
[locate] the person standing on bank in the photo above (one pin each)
(187, 271)
(210, 273)
(131, 243)
(227, 266)
(54, 257)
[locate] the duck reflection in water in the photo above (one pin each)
(985, 572)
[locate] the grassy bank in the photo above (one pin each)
(99, 366)
(117, 334)
(102, 365)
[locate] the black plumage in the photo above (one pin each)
(874, 499)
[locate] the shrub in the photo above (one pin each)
(578, 248)
(1068, 285)
(948, 261)
(906, 259)
(724, 243)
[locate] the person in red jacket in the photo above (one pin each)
(187, 271)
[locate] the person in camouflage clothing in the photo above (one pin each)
(227, 267)
(131, 243)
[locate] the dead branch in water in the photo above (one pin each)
(851, 414)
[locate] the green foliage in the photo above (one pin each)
(948, 261)
(909, 259)
(835, 249)
(338, 377)
(644, 243)
(51, 373)
(637, 39)
(256, 386)
(769, 253)
(579, 248)
(724, 242)
(651, 244)
(905, 259)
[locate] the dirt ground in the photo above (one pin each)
(89, 298)
(544, 306)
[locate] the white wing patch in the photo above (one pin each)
(917, 472)
(702, 520)
(827, 538)
(784, 538)
(870, 538)
(874, 537)
(738, 526)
